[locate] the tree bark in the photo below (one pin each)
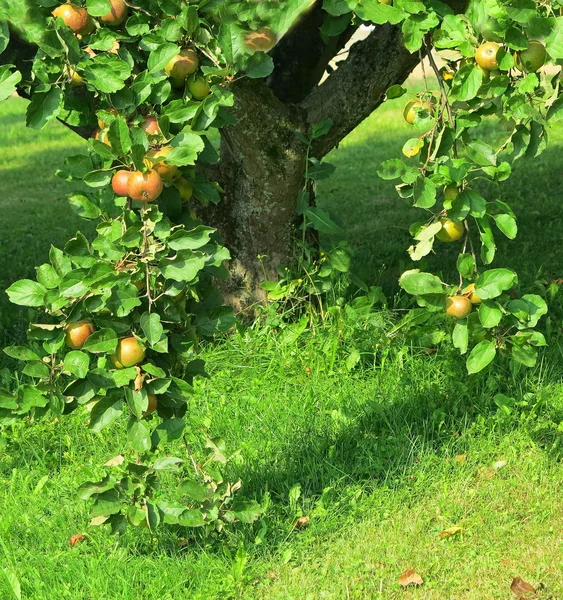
(262, 170)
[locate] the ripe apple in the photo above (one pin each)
(150, 126)
(198, 87)
(75, 18)
(451, 230)
(458, 306)
(153, 403)
(185, 188)
(181, 66)
(451, 192)
(144, 187)
(410, 110)
(156, 159)
(128, 353)
(261, 40)
(486, 56)
(531, 59)
(470, 292)
(77, 333)
(112, 111)
(117, 14)
(120, 181)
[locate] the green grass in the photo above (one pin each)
(369, 455)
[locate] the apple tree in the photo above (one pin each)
(206, 124)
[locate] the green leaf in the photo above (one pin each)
(4, 36)
(185, 266)
(119, 136)
(98, 8)
(391, 169)
(21, 353)
(168, 431)
(524, 354)
(490, 314)
(395, 91)
(105, 412)
(37, 369)
(321, 220)
(151, 326)
(77, 363)
(89, 488)
(466, 265)
(187, 147)
(481, 153)
(8, 81)
(466, 83)
(190, 240)
(13, 582)
(27, 293)
(259, 65)
(416, 283)
(380, 13)
(339, 7)
(167, 463)
(481, 356)
(139, 435)
(507, 224)
(107, 73)
(460, 336)
(83, 206)
(101, 341)
(424, 192)
(494, 282)
(44, 107)
(160, 57)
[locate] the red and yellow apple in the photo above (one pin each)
(458, 306)
(117, 14)
(181, 66)
(77, 333)
(120, 181)
(74, 17)
(128, 353)
(156, 159)
(486, 56)
(144, 187)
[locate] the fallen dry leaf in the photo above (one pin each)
(115, 461)
(450, 531)
(487, 473)
(76, 539)
(522, 589)
(410, 576)
(302, 522)
(461, 458)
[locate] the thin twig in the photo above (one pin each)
(189, 452)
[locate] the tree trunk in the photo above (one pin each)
(262, 170)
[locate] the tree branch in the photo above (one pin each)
(359, 84)
(302, 56)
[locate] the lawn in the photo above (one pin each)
(382, 457)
